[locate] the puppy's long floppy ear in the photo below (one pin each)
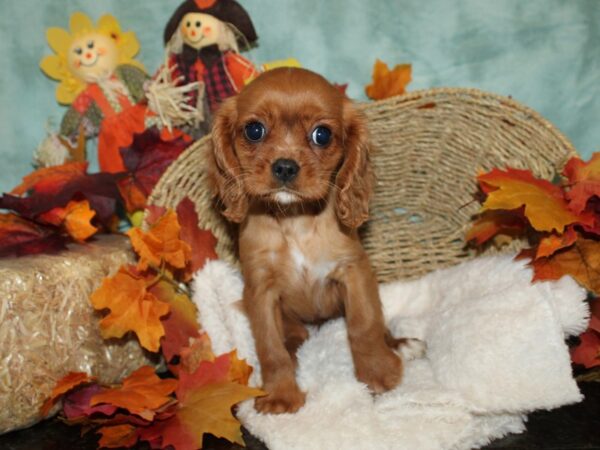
(226, 171)
(355, 178)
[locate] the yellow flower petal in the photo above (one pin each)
(128, 45)
(65, 95)
(59, 40)
(107, 24)
(53, 66)
(80, 23)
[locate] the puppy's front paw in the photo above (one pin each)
(281, 399)
(411, 348)
(381, 371)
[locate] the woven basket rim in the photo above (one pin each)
(475, 93)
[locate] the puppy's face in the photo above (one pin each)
(290, 137)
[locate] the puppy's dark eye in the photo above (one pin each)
(90, 45)
(254, 131)
(78, 51)
(321, 136)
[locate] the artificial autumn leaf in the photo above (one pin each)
(132, 308)
(587, 352)
(595, 315)
(202, 242)
(207, 372)
(64, 385)
(146, 160)
(142, 393)
(118, 436)
(387, 83)
(50, 180)
(239, 370)
(581, 261)
(99, 189)
(205, 397)
(553, 242)
(200, 349)
(76, 404)
(75, 217)
(584, 180)
(19, 236)
(494, 222)
(78, 220)
(205, 410)
(544, 203)
(161, 243)
(180, 324)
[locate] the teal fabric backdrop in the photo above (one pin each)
(544, 53)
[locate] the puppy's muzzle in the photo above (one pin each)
(285, 170)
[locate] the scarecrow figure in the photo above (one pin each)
(203, 40)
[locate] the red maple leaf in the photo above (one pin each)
(202, 242)
(146, 160)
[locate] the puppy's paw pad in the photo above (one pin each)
(410, 349)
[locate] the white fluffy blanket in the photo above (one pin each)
(496, 351)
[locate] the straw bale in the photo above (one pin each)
(49, 328)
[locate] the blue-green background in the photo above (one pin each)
(544, 53)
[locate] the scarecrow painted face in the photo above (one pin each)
(92, 57)
(201, 30)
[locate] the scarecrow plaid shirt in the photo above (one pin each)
(217, 82)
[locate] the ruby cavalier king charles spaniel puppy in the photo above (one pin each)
(291, 165)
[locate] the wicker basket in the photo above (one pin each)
(429, 146)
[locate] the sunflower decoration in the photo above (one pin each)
(87, 54)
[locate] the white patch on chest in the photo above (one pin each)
(316, 270)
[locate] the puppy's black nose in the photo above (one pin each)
(285, 170)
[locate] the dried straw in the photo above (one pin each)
(49, 328)
(429, 147)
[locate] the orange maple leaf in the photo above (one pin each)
(200, 349)
(142, 393)
(494, 222)
(544, 203)
(132, 308)
(387, 83)
(581, 261)
(118, 436)
(553, 242)
(75, 217)
(51, 179)
(180, 324)
(64, 385)
(205, 397)
(584, 179)
(161, 243)
(202, 242)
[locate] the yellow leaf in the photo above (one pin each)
(545, 206)
(208, 410)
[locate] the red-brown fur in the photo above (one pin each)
(302, 261)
